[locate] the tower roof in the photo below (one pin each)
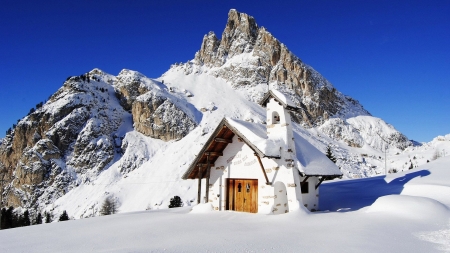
(280, 98)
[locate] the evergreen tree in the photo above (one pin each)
(26, 218)
(8, 220)
(64, 216)
(109, 206)
(31, 111)
(330, 155)
(175, 202)
(38, 219)
(18, 220)
(48, 217)
(411, 166)
(2, 221)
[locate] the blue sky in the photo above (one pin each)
(392, 56)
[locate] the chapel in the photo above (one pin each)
(261, 168)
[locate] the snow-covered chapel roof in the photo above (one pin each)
(280, 98)
(310, 161)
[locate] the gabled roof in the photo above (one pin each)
(280, 98)
(312, 162)
(252, 134)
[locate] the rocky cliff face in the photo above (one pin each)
(79, 133)
(154, 112)
(68, 136)
(248, 55)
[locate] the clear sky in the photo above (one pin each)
(392, 56)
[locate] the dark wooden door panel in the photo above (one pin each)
(242, 195)
(230, 196)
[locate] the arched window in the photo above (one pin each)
(275, 118)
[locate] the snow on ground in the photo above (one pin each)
(403, 212)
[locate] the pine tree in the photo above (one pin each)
(8, 218)
(48, 217)
(18, 220)
(411, 166)
(330, 155)
(175, 202)
(31, 111)
(64, 216)
(2, 221)
(109, 206)
(39, 219)
(105, 207)
(26, 218)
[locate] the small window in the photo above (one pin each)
(239, 187)
(248, 187)
(276, 118)
(305, 187)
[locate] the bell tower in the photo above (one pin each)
(279, 129)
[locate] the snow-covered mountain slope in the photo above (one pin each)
(404, 212)
(132, 137)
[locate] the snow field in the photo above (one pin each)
(391, 223)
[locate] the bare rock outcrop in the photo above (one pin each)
(154, 112)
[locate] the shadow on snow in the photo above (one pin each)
(352, 195)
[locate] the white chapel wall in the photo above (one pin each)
(239, 161)
(311, 199)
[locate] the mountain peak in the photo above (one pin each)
(240, 29)
(249, 55)
(239, 36)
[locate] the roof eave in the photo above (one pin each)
(199, 155)
(320, 175)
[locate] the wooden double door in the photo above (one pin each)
(242, 195)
